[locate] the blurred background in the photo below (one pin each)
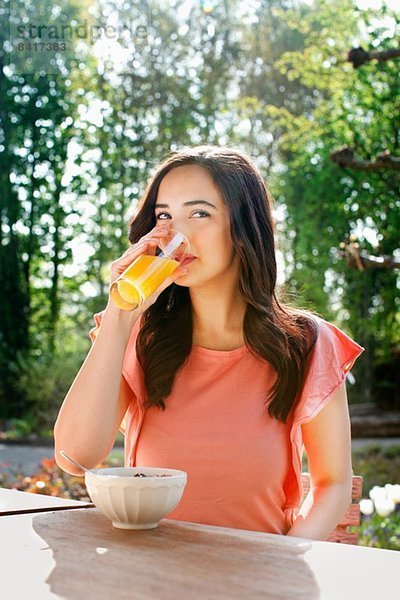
(94, 94)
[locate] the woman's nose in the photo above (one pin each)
(179, 226)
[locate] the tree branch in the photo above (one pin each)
(362, 261)
(344, 157)
(359, 56)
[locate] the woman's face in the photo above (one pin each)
(192, 203)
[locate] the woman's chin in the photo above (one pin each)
(181, 280)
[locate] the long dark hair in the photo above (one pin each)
(281, 334)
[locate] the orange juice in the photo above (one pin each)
(140, 280)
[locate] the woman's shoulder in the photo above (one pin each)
(335, 342)
(327, 334)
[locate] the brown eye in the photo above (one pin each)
(203, 212)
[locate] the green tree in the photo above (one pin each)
(34, 135)
(326, 203)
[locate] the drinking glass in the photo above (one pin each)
(147, 272)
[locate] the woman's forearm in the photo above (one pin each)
(323, 508)
(89, 417)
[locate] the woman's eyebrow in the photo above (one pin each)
(189, 203)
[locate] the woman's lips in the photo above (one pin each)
(187, 260)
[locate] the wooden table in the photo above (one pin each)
(15, 502)
(75, 554)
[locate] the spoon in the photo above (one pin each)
(74, 462)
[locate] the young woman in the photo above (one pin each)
(213, 374)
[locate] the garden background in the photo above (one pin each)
(309, 89)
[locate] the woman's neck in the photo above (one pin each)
(217, 317)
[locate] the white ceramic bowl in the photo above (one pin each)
(135, 502)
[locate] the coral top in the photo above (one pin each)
(243, 466)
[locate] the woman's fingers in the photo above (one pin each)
(132, 253)
(143, 241)
(147, 244)
(138, 248)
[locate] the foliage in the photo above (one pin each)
(37, 112)
(17, 429)
(377, 465)
(380, 517)
(326, 204)
(381, 532)
(44, 380)
(50, 480)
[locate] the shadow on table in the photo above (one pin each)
(175, 560)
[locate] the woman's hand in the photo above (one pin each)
(146, 245)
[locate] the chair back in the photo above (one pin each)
(352, 517)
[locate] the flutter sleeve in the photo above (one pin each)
(333, 355)
(331, 358)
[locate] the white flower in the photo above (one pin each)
(366, 507)
(384, 506)
(377, 493)
(393, 492)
